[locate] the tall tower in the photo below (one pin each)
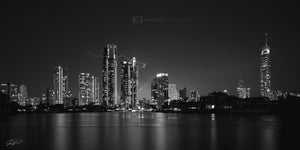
(84, 88)
(95, 90)
(265, 70)
(109, 74)
(60, 84)
(134, 82)
(129, 83)
(159, 89)
(125, 85)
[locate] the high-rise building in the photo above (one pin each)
(129, 83)
(173, 92)
(95, 93)
(159, 89)
(125, 98)
(85, 89)
(242, 90)
(109, 74)
(194, 95)
(11, 90)
(182, 94)
(88, 89)
(60, 84)
(265, 71)
(22, 95)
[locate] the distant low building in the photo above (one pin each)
(183, 94)
(242, 90)
(50, 96)
(194, 95)
(33, 101)
(173, 92)
(22, 95)
(43, 99)
(11, 90)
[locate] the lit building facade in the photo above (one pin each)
(60, 85)
(88, 89)
(173, 92)
(277, 94)
(242, 90)
(33, 101)
(109, 76)
(159, 89)
(95, 90)
(11, 90)
(265, 71)
(44, 99)
(129, 84)
(194, 95)
(85, 89)
(22, 95)
(4, 88)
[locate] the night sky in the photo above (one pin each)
(207, 46)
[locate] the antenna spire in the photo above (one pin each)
(266, 36)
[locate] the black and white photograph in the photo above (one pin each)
(157, 75)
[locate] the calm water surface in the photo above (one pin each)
(149, 131)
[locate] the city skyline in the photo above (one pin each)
(265, 77)
(199, 59)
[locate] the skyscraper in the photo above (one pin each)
(60, 84)
(159, 89)
(242, 90)
(22, 95)
(109, 74)
(88, 89)
(173, 92)
(84, 89)
(95, 93)
(265, 71)
(129, 83)
(125, 85)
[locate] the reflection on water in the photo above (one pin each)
(136, 131)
